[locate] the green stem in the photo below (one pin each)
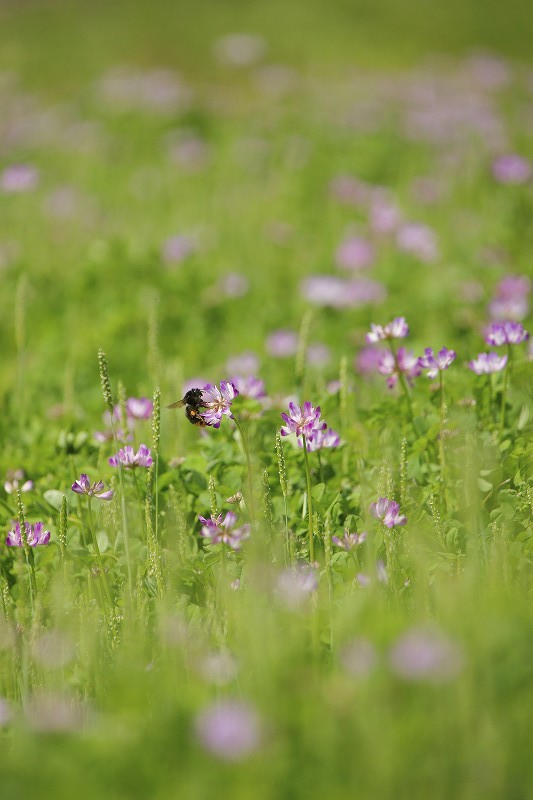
(309, 502)
(124, 516)
(441, 437)
(246, 449)
(504, 391)
(99, 558)
(403, 382)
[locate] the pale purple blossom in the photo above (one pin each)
(349, 540)
(295, 585)
(15, 480)
(282, 343)
(217, 402)
(419, 241)
(219, 667)
(318, 354)
(229, 729)
(358, 657)
(510, 301)
(511, 169)
(35, 535)
(388, 512)
(139, 407)
(348, 190)
(426, 654)
(487, 363)
(397, 329)
(18, 178)
(385, 217)
(405, 363)
(234, 284)
(435, 363)
(249, 386)
(221, 530)
(355, 253)
(96, 489)
(499, 333)
(177, 248)
(240, 49)
(304, 420)
(129, 459)
(368, 359)
(246, 363)
(320, 440)
(334, 292)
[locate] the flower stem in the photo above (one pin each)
(504, 391)
(244, 441)
(309, 502)
(403, 383)
(99, 558)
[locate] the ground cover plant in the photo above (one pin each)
(322, 586)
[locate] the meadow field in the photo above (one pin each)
(308, 227)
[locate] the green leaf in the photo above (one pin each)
(54, 498)
(484, 486)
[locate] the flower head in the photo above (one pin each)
(397, 329)
(296, 584)
(249, 386)
(13, 482)
(229, 730)
(219, 529)
(35, 535)
(139, 407)
(499, 333)
(487, 363)
(349, 540)
(436, 363)
(425, 654)
(318, 440)
(405, 363)
(217, 402)
(511, 168)
(302, 420)
(129, 459)
(388, 512)
(84, 486)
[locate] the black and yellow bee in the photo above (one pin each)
(193, 405)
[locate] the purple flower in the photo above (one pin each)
(419, 241)
(425, 654)
(436, 363)
(359, 657)
(510, 301)
(302, 420)
(295, 585)
(385, 216)
(368, 359)
(84, 486)
(217, 402)
(487, 363)
(177, 248)
(282, 343)
(349, 540)
(511, 168)
(328, 290)
(388, 512)
(405, 363)
(318, 354)
(221, 530)
(139, 408)
(229, 729)
(397, 329)
(243, 364)
(249, 386)
(320, 439)
(234, 284)
(499, 333)
(35, 535)
(19, 178)
(129, 459)
(355, 253)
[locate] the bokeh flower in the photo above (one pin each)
(229, 729)
(404, 363)
(511, 168)
(96, 489)
(129, 459)
(320, 439)
(18, 178)
(349, 540)
(397, 329)
(295, 585)
(139, 408)
(35, 535)
(355, 253)
(221, 530)
(282, 343)
(499, 333)
(14, 480)
(249, 386)
(388, 512)
(426, 654)
(487, 363)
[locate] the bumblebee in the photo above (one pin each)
(193, 405)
